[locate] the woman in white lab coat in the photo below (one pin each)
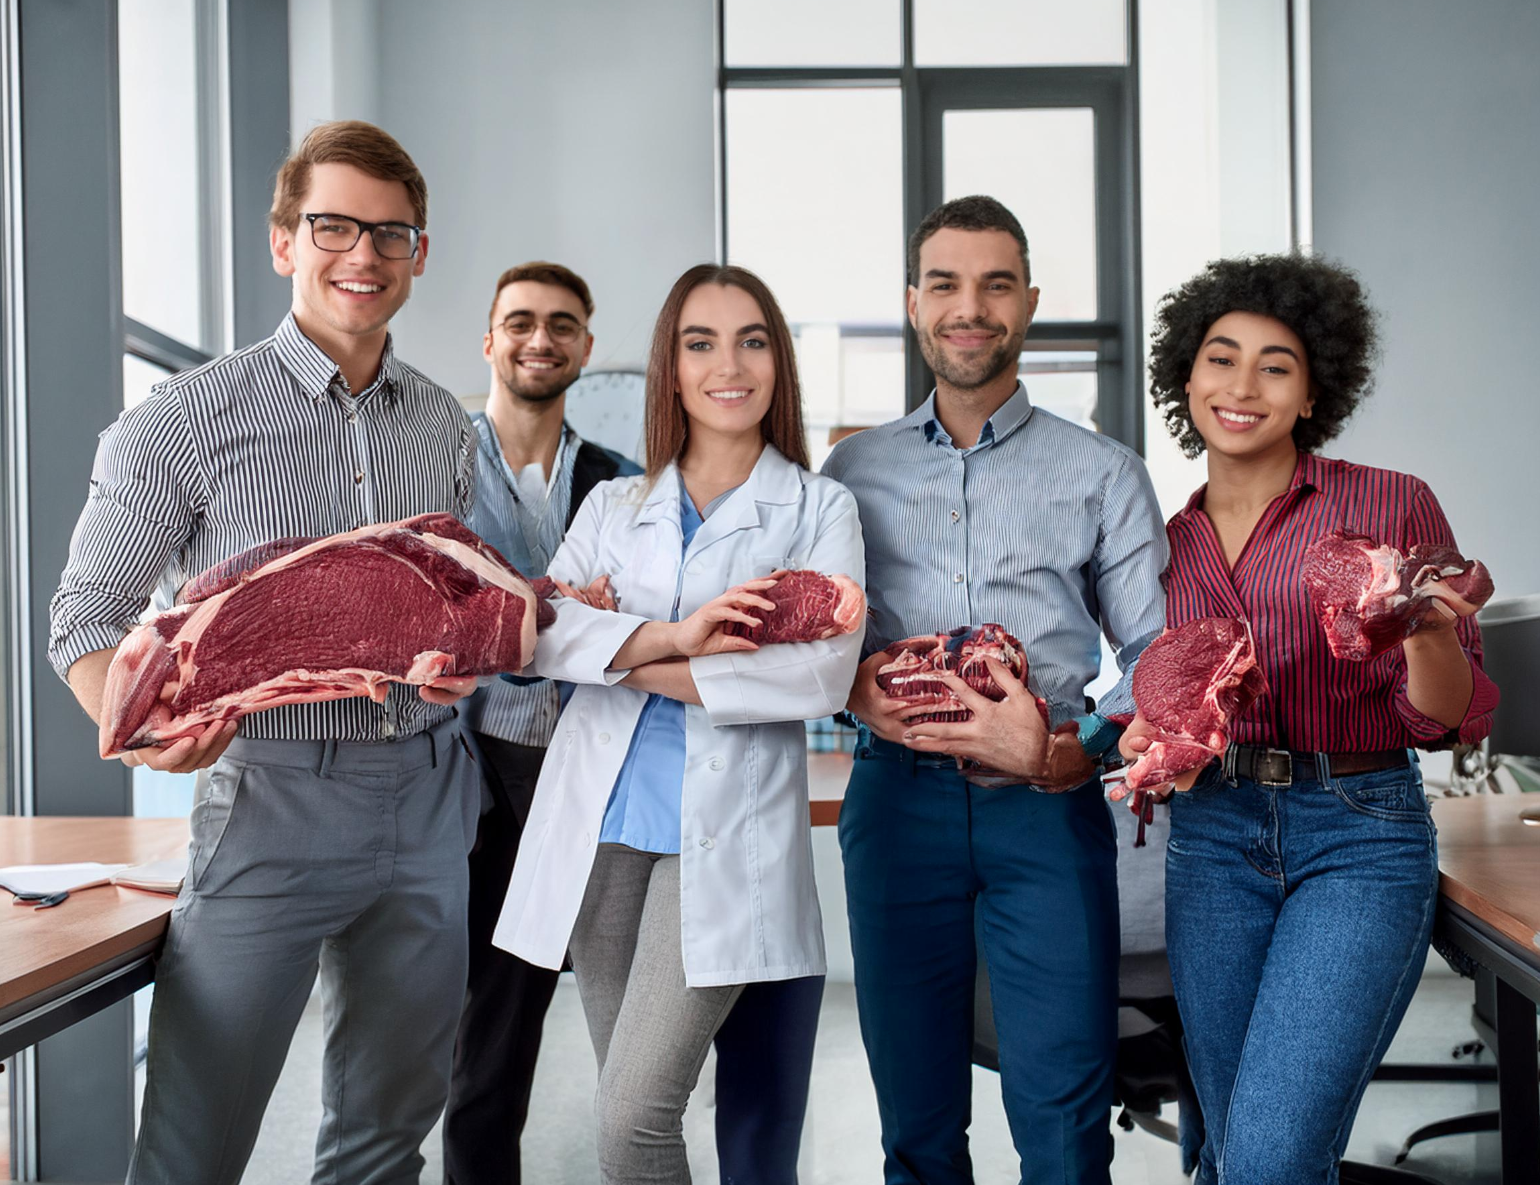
(668, 844)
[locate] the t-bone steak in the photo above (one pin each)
(1191, 684)
(911, 670)
(301, 621)
(809, 606)
(1370, 598)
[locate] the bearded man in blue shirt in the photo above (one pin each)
(978, 507)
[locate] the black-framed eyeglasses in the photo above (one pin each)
(338, 232)
(562, 330)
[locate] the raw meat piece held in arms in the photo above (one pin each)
(809, 607)
(304, 621)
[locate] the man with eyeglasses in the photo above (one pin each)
(334, 834)
(532, 474)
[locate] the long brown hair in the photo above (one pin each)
(667, 426)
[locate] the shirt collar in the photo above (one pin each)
(1009, 416)
(314, 370)
(1310, 472)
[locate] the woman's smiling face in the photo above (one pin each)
(1249, 383)
(725, 367)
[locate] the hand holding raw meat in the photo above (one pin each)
(422, 601)
(1370, 598)
(709, 629)
(808, 607)
(1190, 685)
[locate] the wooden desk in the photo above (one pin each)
(1489, 908)
(59, 965)
(827, 776)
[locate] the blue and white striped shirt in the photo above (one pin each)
(261, 444)
(1050, 530)
(523, 713)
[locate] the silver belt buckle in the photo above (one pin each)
(1268, 764)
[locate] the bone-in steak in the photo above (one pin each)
(1369, 598)
(342, 616)
(809, 606)
(911, 671)
(1191, 683)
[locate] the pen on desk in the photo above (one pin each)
(53, 899)
(40, 900)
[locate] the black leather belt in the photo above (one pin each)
(1282, 767)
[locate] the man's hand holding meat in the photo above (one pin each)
(1009, 736)
(883, 714)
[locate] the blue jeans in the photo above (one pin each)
(924, 852)
(1297, 920)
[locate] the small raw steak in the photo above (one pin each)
(1369, 598)
(1191, 684)
(809, 606)
(911, 673)
(302, 622)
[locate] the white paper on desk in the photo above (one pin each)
(158, 876)
(56, 878)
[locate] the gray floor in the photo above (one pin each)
(841, 1141)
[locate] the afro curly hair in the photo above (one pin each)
(1322, 302)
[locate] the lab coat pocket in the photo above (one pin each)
(757, 567)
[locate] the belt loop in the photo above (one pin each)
(432, 735)
(1227, 763)
(1323, 768)
(328, 756)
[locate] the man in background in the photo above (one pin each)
(533, 473)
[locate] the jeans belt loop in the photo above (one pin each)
(1323, 768)
(1227, 764)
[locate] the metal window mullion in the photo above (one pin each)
(160, 349)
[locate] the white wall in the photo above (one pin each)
(1426, 164)
(582, 133)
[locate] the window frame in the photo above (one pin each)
(1112, 92)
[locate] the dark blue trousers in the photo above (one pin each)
(764, 1063)
(923, 851)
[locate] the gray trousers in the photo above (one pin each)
(345, 857)
(650, 1032)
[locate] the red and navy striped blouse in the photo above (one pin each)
(1317, 702)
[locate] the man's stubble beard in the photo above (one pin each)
(965, 376)
(533, 396)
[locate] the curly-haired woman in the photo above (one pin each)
(1302, 871)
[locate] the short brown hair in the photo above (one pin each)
(666, 424)
(538, 271)
(345, 142)
(977, 212)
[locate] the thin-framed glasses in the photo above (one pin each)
(340, 233)
(562, 330)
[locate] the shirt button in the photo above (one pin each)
(708, 843)
(955, 516)
(957, 579)
(716, 763)
(604, 738)
(588, 839)
(358, 478)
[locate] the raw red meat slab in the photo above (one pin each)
(346, 615)
(911, 673)
(1192, 683)
(809, 606)
(1370, 598)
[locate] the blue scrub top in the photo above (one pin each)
(646, 804)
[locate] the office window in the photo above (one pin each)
(825, 247)
(811, 33)
(829, 163)
(1022, 33)
(164, 231)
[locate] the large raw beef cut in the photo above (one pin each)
(301, 621)
(1369, 598)
(911, 671)
(1191, 683)
(809, 606)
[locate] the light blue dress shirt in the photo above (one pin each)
(644, 808)
(1049, 529)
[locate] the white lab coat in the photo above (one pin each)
(749, 907)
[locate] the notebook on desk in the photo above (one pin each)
(34, 879)
(158, 876)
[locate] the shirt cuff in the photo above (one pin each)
(1477, 723)
(1097, 733)
(76, 643)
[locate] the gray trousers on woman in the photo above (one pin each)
(650, 1031)
(346, 857)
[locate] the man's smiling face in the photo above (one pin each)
(971, 306)
(539, 341)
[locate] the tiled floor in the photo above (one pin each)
(841, 1142)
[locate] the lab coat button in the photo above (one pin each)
(708, 843)
(717, 763)
(693, 568)
(604, 738)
